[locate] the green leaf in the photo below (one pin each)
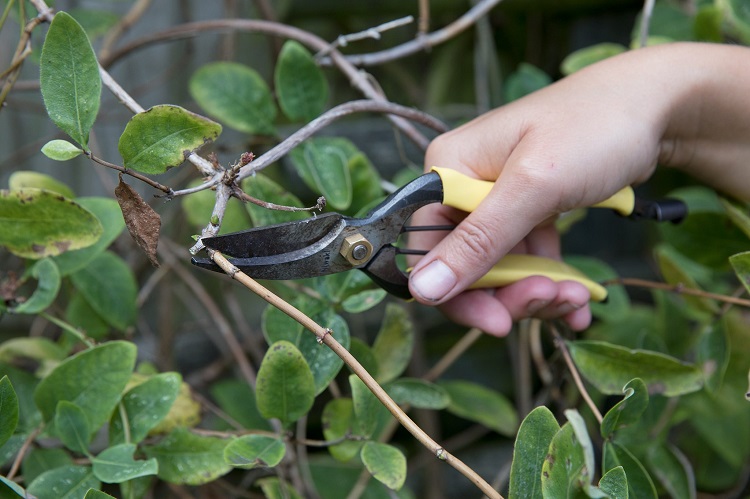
(110, 216)
(640, 484)
(365, 183)
(163, 137)
(713, 354)
(285, 386)
(69, 78)
(627, 411)
(386, 463)
(10, 489)
(80, 315)
(673, 470)
(92, 379)
(587, 448)
(61, 150)
(532, 443)
(364, 301)
(253, 451)
(363, 353)
(273, 488)
(301, 87)
(617, 307)
(108, 285)
(199, 205)
(39, 349)
(666, 21)
(738, 19)
(523, 81)
(39, 460)
(24, 384)
(369, 413)
(97, 494)
(609, 367)
(418, 393)
(338, 423)
(563, 466)
(614, 483)
(35, 223)
(589, 55)
(675, 274)
(338, 287)
(262, 187)
(689, 236)
(72, 427)
(741, 265)
(188, 459)
(48, 276)
(322, 163)
(28, 179)
(235, 95)
(323, 362)
(116, 464)
(145, 406)
(8, 410)
(482, 405)
(237, 399)
(64, 482)
(394, 343)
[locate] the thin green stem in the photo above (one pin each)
(69, 328)
(6, 12)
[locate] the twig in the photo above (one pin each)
(423, 26)
(422, 42)
(648, 10)
(355, 76)
(324, 336)
(563, 347)
(116, 32)
(344, 40)
(23, 49)
(678, 289)
(333, 114)
(67, 327)
(22, 452)
(243, 196)
(537, 353)
(126, 171)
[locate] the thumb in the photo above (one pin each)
(516, 204)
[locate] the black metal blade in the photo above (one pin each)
(275, 239)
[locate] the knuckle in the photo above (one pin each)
(476, 243)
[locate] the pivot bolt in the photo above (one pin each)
(356, 249)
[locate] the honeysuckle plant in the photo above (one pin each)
(309, 393)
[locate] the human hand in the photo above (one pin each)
(569, 145)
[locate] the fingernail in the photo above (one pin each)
(566, 308)
(535, 306)
(434, 281)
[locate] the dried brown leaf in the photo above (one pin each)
(142, 221)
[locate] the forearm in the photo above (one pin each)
(708, 131)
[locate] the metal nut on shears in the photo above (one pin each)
(356, 249)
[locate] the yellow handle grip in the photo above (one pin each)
(465, 193)
(513, 268)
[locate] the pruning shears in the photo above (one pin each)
(332, 243)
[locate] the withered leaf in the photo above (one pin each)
(142, 221)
